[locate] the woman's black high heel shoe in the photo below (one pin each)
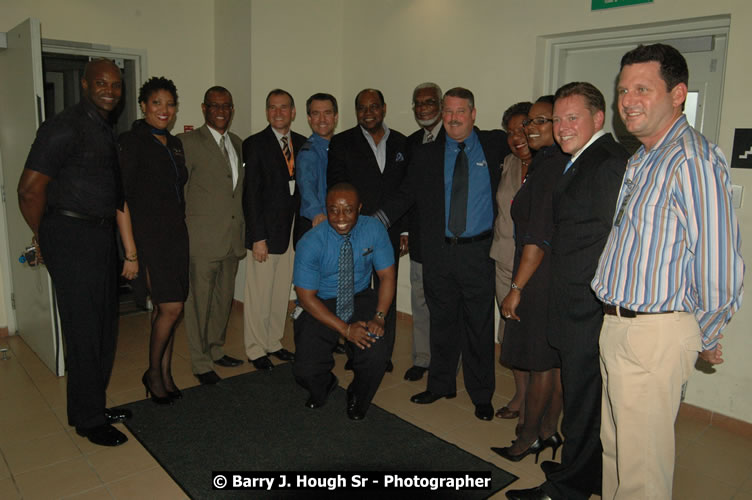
(176, 394)
(160, 401)
(536, 448)
(554, 441)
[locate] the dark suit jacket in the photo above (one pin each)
(213, 209)
(351, 159)
(424, 187)
(269, 208)
(583, 205)
(414, 140)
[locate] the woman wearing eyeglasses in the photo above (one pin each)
(525, 345)
(154, 173)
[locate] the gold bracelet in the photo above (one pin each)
(132, 258)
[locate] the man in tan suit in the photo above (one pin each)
(214, 216)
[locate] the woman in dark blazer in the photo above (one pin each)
(154, 173)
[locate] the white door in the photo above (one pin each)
(21, 99)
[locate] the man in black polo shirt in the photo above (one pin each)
(69, 192)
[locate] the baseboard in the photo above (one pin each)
(709, 417)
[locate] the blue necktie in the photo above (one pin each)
(569, 164)
(345, 281)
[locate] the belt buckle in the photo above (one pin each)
(454, 240)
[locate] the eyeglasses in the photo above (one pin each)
(538, 120)
(216, 107)
(428, 103)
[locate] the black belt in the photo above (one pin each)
(89, 218)
(626, 313)
(471, 239)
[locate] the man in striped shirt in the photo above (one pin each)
(670, 276)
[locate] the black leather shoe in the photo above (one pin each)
(117, 415)
(389, 367)
(427, 397)
(283, 355)
(549, 466)
(415, 373)
(103, 435)
(208, 378)
(339, 348)
(354, 412)
(528, 494)
(484, 411)
(263, 363)
(313, 404)
(228, 361)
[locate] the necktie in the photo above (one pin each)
(569, 164)
(458, 200)
(288, 155)
(224, 151)
(345, 281)
(429, 137)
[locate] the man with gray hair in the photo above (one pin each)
(427, 112)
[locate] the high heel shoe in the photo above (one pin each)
(554, 441)
(158, 400)
(536, 448)
(176, 394)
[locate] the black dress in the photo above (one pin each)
(525, 345)
(153, 180)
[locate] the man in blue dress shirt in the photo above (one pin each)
(320, 280)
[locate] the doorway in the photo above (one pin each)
(594, 57)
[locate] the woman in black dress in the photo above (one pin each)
(154, 174)
(525, 345)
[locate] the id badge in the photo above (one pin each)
(623, 207)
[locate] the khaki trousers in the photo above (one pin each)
(644, 363)
(267, 293)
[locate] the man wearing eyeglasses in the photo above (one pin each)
(371, 157)
(427, 113)
(214, 216)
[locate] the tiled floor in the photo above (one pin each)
(41, 457)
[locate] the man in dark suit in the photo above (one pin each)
(583, 203)
(427, 112)
(270, 202)
(371, 157)
(452, 181)
(214, 216)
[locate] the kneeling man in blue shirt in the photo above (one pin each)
(332, 276)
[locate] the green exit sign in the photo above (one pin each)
(607, 4)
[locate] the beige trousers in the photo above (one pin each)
(267, 293)
(644, 362)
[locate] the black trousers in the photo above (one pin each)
(459, 285)
(314, 361)
(390, 320)
(80, 257)
(581, 469)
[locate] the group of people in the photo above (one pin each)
(611, 273)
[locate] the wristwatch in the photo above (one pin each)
(515, 287)
(379, 314)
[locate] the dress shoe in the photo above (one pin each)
(228, 361)
(117, 415)
(427, 397)
(389, 367)
(484, 411)
(177, 393)
(553, 441)
(160, 400)
(549, 467)
(528, 494)
(339, 348)
(354, 412)
(283, 355)
(313, 404)
(536, 448)
(103, 435)
(207, 378)
(415, 373)
(263, 363)
(506, 412)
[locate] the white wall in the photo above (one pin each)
(342, 46)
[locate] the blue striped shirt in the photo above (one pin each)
(675, 243)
